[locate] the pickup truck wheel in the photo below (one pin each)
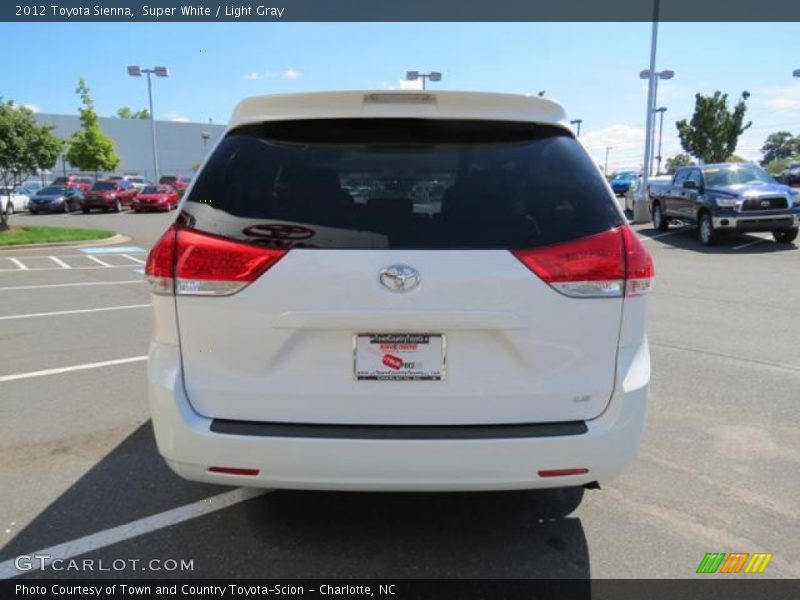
(85, 211)
(660, 222)
(706, 229)
(785, 236)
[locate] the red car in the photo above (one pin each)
(82, 183)
(179, 183)
(156, 197)
(109, 195)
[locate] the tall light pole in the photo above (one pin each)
(204, 135)
(578, 123)
(667, 74)
(661, 110)
(640, 208)
(605, 168)
(414, 75)
(136, 71)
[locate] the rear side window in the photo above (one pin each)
(400, 183)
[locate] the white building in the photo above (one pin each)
(180, 145)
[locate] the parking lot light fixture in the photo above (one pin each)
(661, 110)
(796, 73)
(137, 71)
(578, 123)
(415, 75)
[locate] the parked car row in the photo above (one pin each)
(71, 192)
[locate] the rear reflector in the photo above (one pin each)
(188, 262)
(562, 472)
(233, 471)
(605, 265)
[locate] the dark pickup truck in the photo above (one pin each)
(718, 198)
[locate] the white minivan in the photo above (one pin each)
(474, 320)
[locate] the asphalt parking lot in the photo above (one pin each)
(718, 470)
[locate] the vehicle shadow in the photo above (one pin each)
(685, 237)
(288, 534)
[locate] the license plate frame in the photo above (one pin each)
(373, 361)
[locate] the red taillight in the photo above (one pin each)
(603, 265)
(562, 472)
(205, 264)
(639, 269)
(234, 471)
(160, 267)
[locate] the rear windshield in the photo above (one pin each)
(400, 183)
(102, 186)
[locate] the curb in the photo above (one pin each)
(114, 239)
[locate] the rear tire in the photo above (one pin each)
(85, 211)
(708, 235)
(785, 236)
(660, 222)
(66, 207)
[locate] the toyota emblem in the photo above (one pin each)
(400, 278)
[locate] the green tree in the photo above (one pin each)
(25, 148)
(735, 158)
(126, 113)
(678, 161)
(713, 132)
(89, 148)
(777, 166)
(780, 144)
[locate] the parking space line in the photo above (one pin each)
(60, 285)
(758, 241)
(39, 269)
(97, 260)
(102, 539)
(73, 312)
(112, 250)
(59, 262)
(659, 235)
(134, 259)
(64, 255)
(19, 264)
(83, 367)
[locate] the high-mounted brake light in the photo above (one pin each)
(605, 265)
(188, 262)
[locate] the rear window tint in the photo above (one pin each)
(400, 183)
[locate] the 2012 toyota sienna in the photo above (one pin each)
(473, 318)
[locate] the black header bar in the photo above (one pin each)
(128, 11)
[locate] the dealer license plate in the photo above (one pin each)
(399, 356)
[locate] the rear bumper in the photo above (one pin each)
(186, 441)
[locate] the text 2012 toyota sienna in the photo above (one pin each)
(399, 291)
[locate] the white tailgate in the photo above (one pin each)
(517, 351)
